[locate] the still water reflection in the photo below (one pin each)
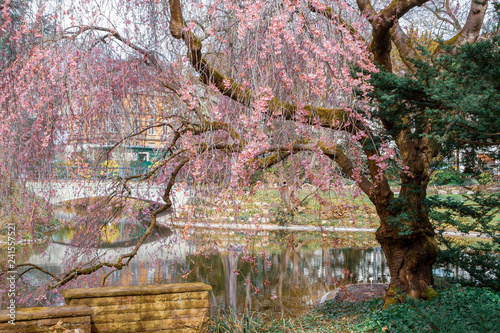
(262, 271)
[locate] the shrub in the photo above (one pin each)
(474, 213)
(109, 168)
(346, 316)
(447, 177)
(459, 309)
(485, 178)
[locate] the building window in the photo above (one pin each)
(151, 131)
(142, 157)
(112, 127)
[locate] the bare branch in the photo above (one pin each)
(149, 56)
(395, 10)
(329, 13)
(336, 154)
(348, 167)
(168, 203)
(449, 12)
(382, 22)
(441, 14)
(119, 142)
(33, 266)
(405, 48)
(472, 28)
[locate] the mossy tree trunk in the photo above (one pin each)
(406, 233)
(410, 258)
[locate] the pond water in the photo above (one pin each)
(263, 271)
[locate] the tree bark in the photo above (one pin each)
(410, 259)
(407, 239)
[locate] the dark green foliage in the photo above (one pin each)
(448, 177)
(457, 92)
(470, 161)
(402, 216)
(459, 309)
(474, 213)
(469, 84)
(402, 100)
(343, 316)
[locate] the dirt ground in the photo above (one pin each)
(361, 292)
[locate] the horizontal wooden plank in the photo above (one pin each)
(46, 312)
(135, 290)
(146, 307)
(41, 325)
(174, 330)
(139, 299)
(149, 315)
(151, 325)
(83, 328)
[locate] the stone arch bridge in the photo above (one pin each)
(63, 190)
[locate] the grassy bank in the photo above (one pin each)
(457, 309)
(320, 209)
(324, 209)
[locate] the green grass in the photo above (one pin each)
(457, 309)
(321, 209)
(331, 317)
(333, 210)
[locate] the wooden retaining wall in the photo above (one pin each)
(169, 308)
(172, 308)
(47, 320)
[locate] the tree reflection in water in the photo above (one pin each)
(276, 272)
(289, 279)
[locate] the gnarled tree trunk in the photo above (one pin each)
(406, 234)
(410, 259)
